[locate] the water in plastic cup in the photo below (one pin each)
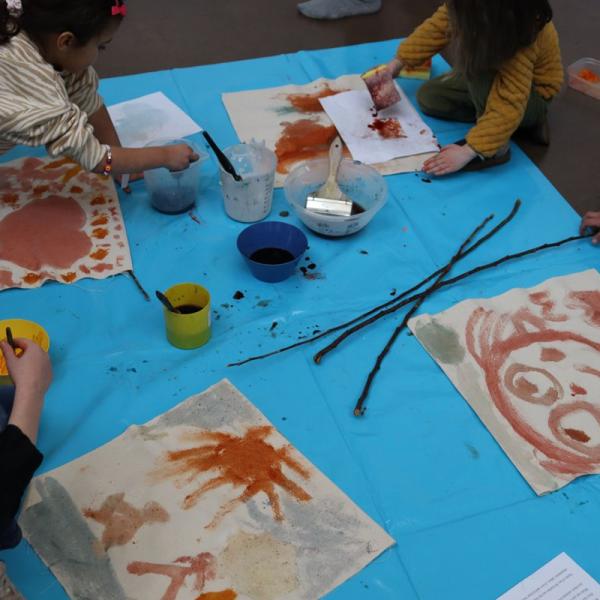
(249, 200)
(174, 192)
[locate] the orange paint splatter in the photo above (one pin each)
(103, 220)
(552, 355)
(6, 278)
(61, 162)
(98, 200)
(388, 128)
(99, 254)
(40, 189)
(589, 76)
(10, 198)
(45, 232)
(309, 103)
(122, 521)
(69, 277)
(302, 140)
(100, 233)
(589, 302)
(224, 595)
(71, 173)
(201, 567)
(84, 269)
(242, 461)
(76, 190)
(100, 268)
(31, 278)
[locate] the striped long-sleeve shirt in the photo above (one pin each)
(41, 106)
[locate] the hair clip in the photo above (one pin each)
(15, 8)
(116, 10)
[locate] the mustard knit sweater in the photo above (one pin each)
(538, 67)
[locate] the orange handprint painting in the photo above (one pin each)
(536, 356)
(248, 461)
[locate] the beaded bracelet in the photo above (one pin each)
(108, 166)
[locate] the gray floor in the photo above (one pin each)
(162, 34)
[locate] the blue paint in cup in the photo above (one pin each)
(272, 236)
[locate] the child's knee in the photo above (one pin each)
(426, 97)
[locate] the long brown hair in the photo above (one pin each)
(486, 33)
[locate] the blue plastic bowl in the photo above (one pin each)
(272, 234)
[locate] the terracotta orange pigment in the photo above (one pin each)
(103, 220)
(100, 268)
(589, 302)
(552, 355)
(202, 568)
(309, 103)
(45, 232)
(99, 254)
(302, 140)
(61, 162)
(578, 436)
(84, 269)
(122, 521)
(388, 128)
(248, 461)
(31, 278)
(543, 300)
(98, 200)
(100, 233)
(589, 76)
(10, 198)
(224, 595)
(76, 190)
(577, 390)
(71, 173)
(6, 279)
(69, 277)
(40, 189)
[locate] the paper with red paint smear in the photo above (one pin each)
(58, 223)
(528, 363)
(206, 502)
(292, 122)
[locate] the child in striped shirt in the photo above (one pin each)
(49, 89)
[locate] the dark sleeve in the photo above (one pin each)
(19, 459)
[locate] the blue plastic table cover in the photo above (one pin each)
(420, 462)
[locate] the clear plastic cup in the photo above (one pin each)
(249, 200)
(174, 192)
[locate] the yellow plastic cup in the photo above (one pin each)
(21, 329)
(188, 331)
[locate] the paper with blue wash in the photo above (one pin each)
(150, 118)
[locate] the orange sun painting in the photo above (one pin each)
(246, 461)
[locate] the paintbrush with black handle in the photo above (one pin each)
(223, 160)
(10, 339)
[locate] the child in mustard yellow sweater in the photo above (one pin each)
(507, 68)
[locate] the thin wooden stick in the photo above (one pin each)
(359, 408)
(314, 338)
(139, 285)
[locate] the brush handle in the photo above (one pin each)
(223, 160)
(335, 158)
(166, 302)
(10, 339)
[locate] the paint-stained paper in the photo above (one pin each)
(150, 118)
(292, 122)
(207, 501)
(528, 363)
(58, 222)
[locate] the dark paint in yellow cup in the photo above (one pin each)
(188, 330)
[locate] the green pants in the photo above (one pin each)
(454, 98)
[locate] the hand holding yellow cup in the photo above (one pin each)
(21, 328)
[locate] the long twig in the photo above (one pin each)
(395, 300)
(333, 345)
(359, 408)
(139, 285)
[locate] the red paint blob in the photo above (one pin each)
(388, 128)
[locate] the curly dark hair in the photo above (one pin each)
(487, 33)
(83, 18)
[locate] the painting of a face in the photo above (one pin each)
(537, 355)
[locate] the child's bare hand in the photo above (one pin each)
(591, 220)
(32, 370)
(179, 157)
(451, 158)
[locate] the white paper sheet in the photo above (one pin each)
(148, 118)
(561, 579)
(352, 114)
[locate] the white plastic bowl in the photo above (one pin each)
(361, 183)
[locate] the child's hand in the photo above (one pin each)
(32, 371)
(451, 158)
(591, 220)
(179, 157)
